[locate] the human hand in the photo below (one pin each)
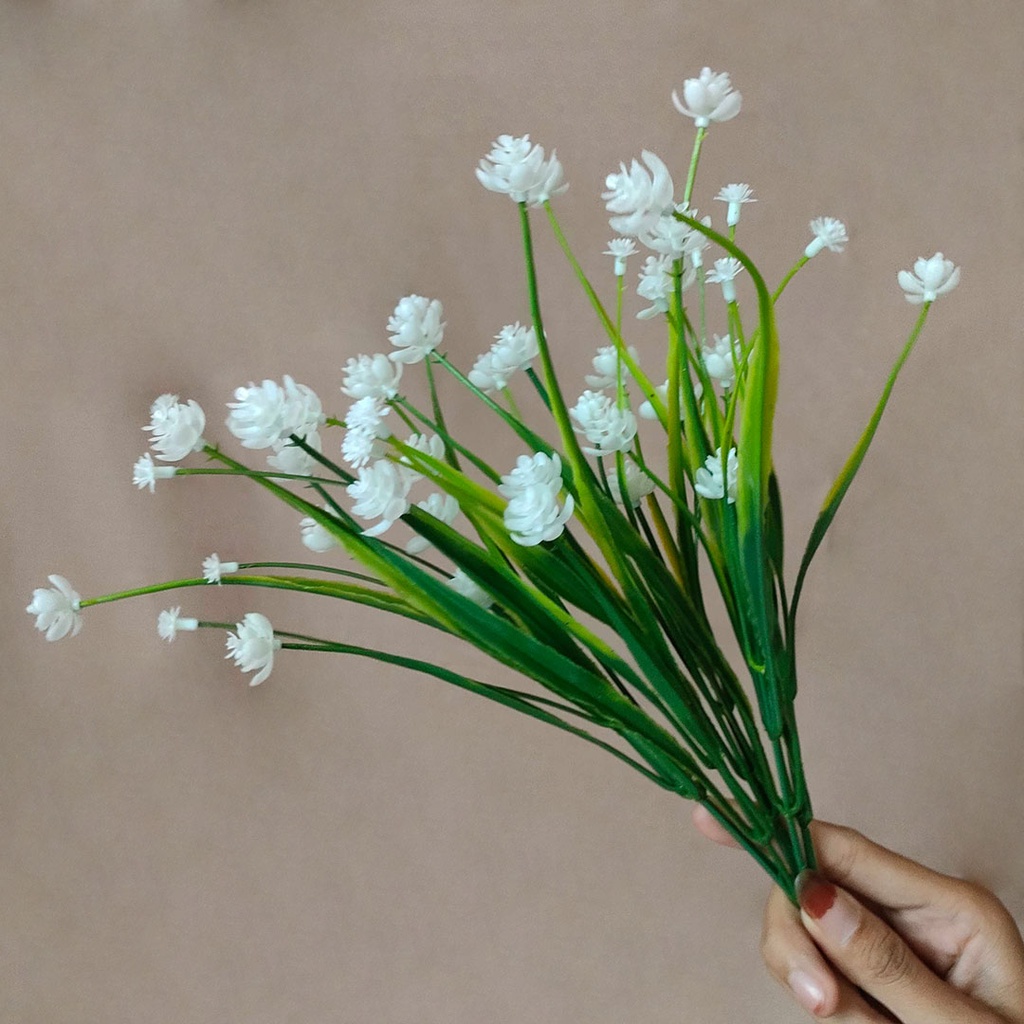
(898, 942)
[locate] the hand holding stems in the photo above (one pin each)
(879, 937)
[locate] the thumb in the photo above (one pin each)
(875, 957)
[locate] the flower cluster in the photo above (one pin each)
(514, 348)
(517, 168)
(532, 488)
(606, 615)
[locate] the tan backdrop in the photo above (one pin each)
(202, 194)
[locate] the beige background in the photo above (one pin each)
(196, 195)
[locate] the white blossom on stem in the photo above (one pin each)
(415, 328)
(374, 376)
(829, 233)
(517, 168)
(441, 506)
(605, 364)
(607, 427)
(432, 445)
(253, 646)
(145, 473)
(214, 568)
(532, 488)
(638, 485)
(735, 195)
(638, 197)
(514, 348)
(365, 430)
(621, 249)
(290, 458)
(708, 481)
(667, 236)
(263, 415)
(656, 285)
(462, 584)
(316, 536)
(175, 428)
(169, 623)
(720, 360)
(56, 609)
(646, 409)
(724, 274)
(931, 278)
(708, 98)
(380, 492)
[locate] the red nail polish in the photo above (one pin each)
(815, 893)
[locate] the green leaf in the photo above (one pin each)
(842, 482)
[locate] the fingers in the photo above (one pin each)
(875, 957)
(708, 826)
(793, 960)
(887, 878)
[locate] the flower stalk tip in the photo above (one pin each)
(57, 609)
(930, 278)
(253, 645)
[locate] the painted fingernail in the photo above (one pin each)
(809, 994)
(836, 914)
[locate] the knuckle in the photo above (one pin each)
(848, 852)
(886, 957)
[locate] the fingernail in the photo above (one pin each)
(809, 994)
(836, 914)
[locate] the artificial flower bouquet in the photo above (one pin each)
(591, 535)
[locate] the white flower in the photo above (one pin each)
(621, 249)
(415, 328)
(441, 506)
(724, 274)
(646, 410)
(708, 98)
(707, 481)
(290, 458)
(668, 236)
(170, 621)
(655, 285)
(514, 348)
(829, 233)
(176, 428)
(532, 514)
(488, 374)
(467, 587)
(365, 429)
(316, 536)
(931, 278)
(530, 470)
(146, 473)
(607, 427)
(605, 365)
(432, 446)
(253, 646)
(380, 492)
(720, 360)
(638, 485)
(735, 195)
(374, 376)
(56, 609)
(265, 414)
(214, 568)
(639, 197)
(517, 168)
